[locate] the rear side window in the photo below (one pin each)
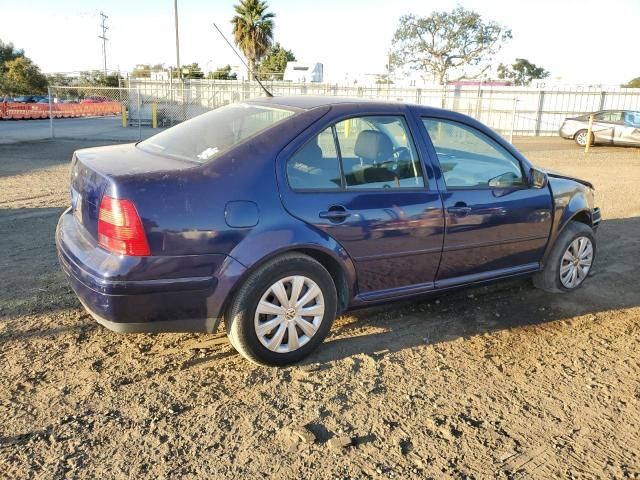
(470, 159)
(207, 136)
(375, 152)
(612, 117)
(316, 165)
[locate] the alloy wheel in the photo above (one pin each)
(576, 262)
(581, 138)
(289, 314)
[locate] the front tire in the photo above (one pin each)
(570, 261)
(283, 311)
(581, 138)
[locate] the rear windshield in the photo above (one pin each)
(205, 137)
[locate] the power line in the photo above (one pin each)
(104, 41)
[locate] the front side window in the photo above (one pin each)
(470, 159)
(205, 137)
(632, 119)
(316, 165)
(378, 152)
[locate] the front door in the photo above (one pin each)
(495, 223)
(361, 181)
(628, 132)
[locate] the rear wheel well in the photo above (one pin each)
(326, 260)
(334, 268)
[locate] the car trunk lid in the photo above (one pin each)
(99, 171)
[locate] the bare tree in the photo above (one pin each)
(446, 41)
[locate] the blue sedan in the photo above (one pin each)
(279, 214)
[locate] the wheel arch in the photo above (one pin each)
(337, 262)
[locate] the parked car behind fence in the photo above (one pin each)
(610, 127)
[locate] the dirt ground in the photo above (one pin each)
(503, 381)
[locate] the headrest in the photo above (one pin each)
(310, 152)
(373, 145)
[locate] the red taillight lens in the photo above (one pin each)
(120, 229)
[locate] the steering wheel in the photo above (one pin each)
(401, 153)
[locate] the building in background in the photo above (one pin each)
(299, 72)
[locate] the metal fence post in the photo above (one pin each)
(603, 96)
(51, 131)
(139, 115)
(539, 113)
(513, 119)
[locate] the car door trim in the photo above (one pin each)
(383, 256)
(492, 243)
(448, 284)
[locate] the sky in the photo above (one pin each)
(581, 41)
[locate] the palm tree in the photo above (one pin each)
(253, 30)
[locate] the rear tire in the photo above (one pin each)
(581, 138)
(265, 322)
(574, 250)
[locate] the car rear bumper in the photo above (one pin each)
(567, 133)
(145, 294)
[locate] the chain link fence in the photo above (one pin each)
(137, 111)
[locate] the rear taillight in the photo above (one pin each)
(120, 229)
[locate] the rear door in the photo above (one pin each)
(361, 180)
(495, 224)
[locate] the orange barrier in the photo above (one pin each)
(24, 111)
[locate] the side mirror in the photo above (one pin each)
(537, 178)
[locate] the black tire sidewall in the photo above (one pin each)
(575, 138)
(240, 319)
(568, 235)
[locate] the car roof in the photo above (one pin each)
(308, 102)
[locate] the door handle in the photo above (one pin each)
(459, 210)
(335, 213)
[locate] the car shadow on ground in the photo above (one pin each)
(36, 285)
(33, 282)
(502, 306)
(39, 154)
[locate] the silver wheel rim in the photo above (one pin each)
(289, 314)
(576, 262)
(582, 138)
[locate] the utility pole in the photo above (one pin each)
(104, 41)
(175, 14)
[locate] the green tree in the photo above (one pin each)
(143, 70)
(274, 62)
(61, 80)
(635, 83)
(446, 41)
(96, 78)
(253, 30)
(222, 73)
(192, 71)
(522, 72)
(21, 76)
(7, 53)
(383, 79)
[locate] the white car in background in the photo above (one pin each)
(610, 127)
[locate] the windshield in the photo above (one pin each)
(205, 137)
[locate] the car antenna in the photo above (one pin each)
(269, 94)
